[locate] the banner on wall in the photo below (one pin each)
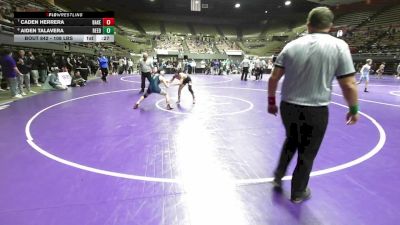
(234, 52)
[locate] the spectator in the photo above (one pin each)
(203, 66)
(130, 66)
(52, 81)
(71, 63)
(52, 60)
(83, 67)
(25, 68)
(93, 64)
(42, 67)
(381, 70)
(245, 64)
(62, 64)
(10, 72)
(34, 69)
(121, 65)
(3, 15)
(77, 80)
(193, 66)
(3, 80)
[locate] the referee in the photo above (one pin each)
(145, 66)
(310, 64)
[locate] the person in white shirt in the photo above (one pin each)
(125, 65)
(398, 71)
(202, 66)
(146, 67)
(310, 64)
(193, 65)
(121, 66)
(245, 64)
(270, 66)
(257, 68)
(365, 73)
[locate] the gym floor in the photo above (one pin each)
(84, 156)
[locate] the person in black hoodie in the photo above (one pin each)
(82, 66)
(42, 67)
(62, 63)
(52, 60)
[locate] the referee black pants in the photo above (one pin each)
(144, 76)
(305, 129)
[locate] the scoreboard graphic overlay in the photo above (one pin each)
(64, 26)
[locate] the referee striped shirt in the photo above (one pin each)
(311, 63)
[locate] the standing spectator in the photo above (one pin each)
(130, 66)
(245, 68)
(270, 66)
(145, 67)
(125, 64)
(52, 60)
(185, 66)
(216, 67)
(114, 62)
(257, 68)
(71, 63)
(10, 72)
(310, 63)
(3, 79)
(263, 68)
(193, 66)
(381, 70)
(42, 67)
(93, 65)
(121, 65)
(62, 64)
(83, 67)
(34, 69)
(103, 64)
(25, 69)
(211, 64)
(203, 66)
(398, 71)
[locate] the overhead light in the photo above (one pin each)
(237, 5)
(197, 2)
(287, 3)
(266, 11)
(152, 0)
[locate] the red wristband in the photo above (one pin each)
(271, 100)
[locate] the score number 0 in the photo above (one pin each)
(108, 22)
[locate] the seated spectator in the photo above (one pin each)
(52, 82)
(77, 80)
(4, 15)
